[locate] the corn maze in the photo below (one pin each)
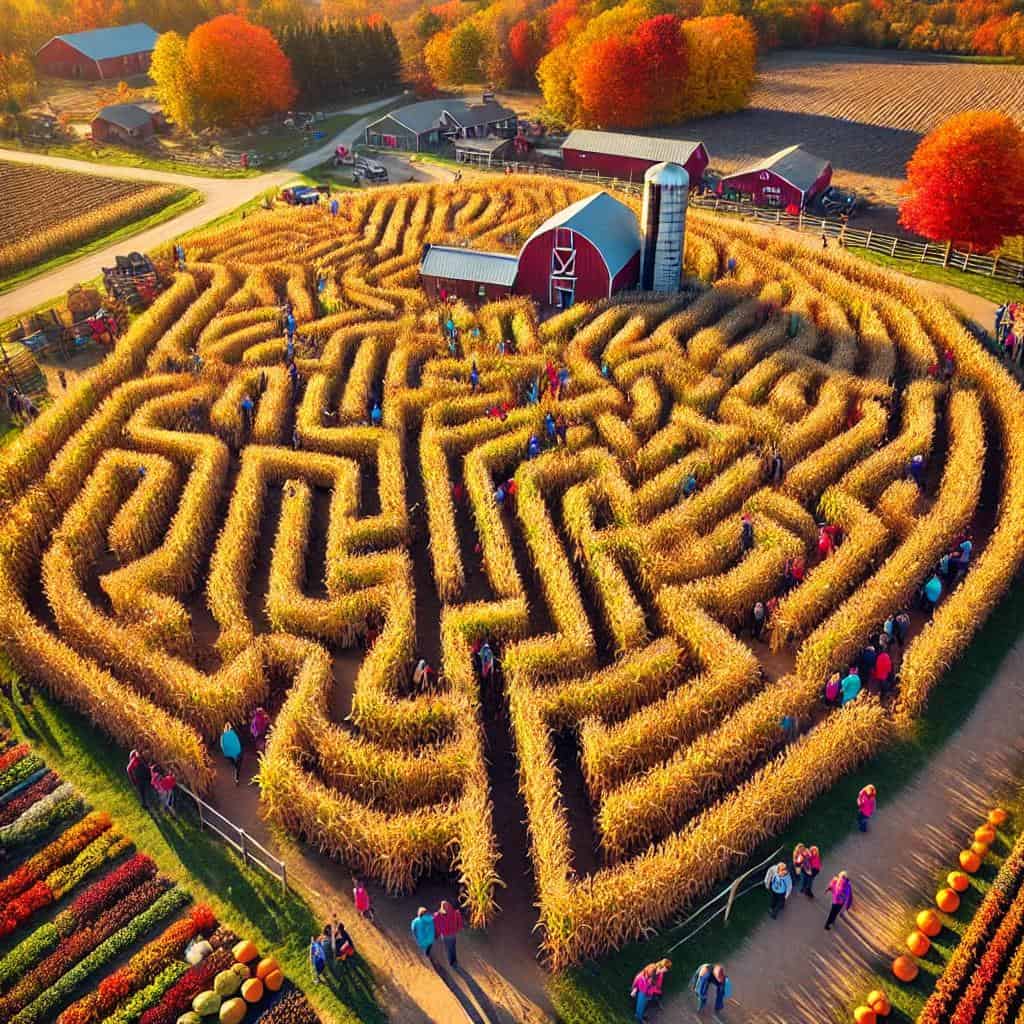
(135, 510)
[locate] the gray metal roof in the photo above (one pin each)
(793, 164)
(488, 145)
(454, 264)
(605, 222)
(126, 115)
(104, 43)
(424, 117)
(641, 147)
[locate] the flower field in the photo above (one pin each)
(254, 555)
(112, 906)
(48, 212)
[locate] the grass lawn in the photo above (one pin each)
(184, 199)
(597, 992)
(986, 287)
(247, 899)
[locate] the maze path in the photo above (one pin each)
(166, 566)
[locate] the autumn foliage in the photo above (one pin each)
(228, 73)
(965, 182)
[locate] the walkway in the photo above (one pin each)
(220, 196)
(791, 971)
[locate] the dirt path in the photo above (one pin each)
(791, 971)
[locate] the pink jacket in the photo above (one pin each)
(812, 861)
(641, 983)
(361, 898)
(842, 892)
(865, 803)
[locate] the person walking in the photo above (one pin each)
(759, 615)
(317, 957)
(139, 776)
(842, 898)
(746, 533)
(448, 924)
(641, 990)
(474, 377)
(259, 726)
(810, 869)
(231, 748)
(883, 672)
(342, 946)
(486, 656)
(423, 930)
(901, 628)
(866, 799)
(661, 968)
(705, 976)
(779, 885)
(930, 594)
(163, 784)
(361, 898)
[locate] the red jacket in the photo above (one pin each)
(449, 924)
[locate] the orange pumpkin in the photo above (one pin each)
(267, 966)
(882, 1006)
(958, 880)
(929, 923)
(985, 834)
(918, 943)
(979, 848)
(245, 951)
(252, 990)
(905, 968)
(274, 980)
(969, 861)
(864, 1015)
(947, 900)
(997, 816)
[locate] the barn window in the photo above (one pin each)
(481, 290)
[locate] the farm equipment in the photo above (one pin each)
(300, 195)
(343, 157)
(133, 280)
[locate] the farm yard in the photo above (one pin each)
(840, 104)
(48, 212)
(170, 558)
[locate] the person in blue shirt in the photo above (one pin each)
(689, 487)
(247, 408)
(703, 979)
(317, 958)
(533, 448)
(931, 592)
(474, 377)
(423, 930)
(533, 393)
(549, 427)
(779, 885)
(334, 207)
(375, 415)
(231, 748)
(849, 686)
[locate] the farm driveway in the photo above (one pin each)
(220, 196)
(791, 971)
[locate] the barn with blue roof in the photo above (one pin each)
(102, 53)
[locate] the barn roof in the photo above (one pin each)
(128, 116)
(488, 145)
(104, 43)
(605, 222)
(455, 264)
(793, 164)
(424, 117)
(640, 147)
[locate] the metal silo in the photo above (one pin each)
(663, 226)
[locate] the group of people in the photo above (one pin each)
(145, 777)
(332, 946)
(445, 923)
(231, 742)
(951, 569)
(20, 405)
(648, 985)
(1010, 329)
(874, 668)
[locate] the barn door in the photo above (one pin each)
(562, 287)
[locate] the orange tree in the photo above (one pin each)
(965, 181)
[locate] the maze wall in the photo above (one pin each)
(136, 509)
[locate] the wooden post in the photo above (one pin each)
(925, 252)
(995, 263)
(245, 852)
(895, 242)
(867, 243)
(949, 249)
(733, 889)
(284, 876)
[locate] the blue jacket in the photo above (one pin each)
(423, 930)
(230, 744)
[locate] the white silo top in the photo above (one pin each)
(667, 174)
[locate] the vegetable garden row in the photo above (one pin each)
(77, 898)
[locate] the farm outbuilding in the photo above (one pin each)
(467, 274)
(791, 177)
(430, 125)
(618, 155)
(125, 123)
(100, 53)
(485, 152)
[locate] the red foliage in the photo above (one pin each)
(821, 25)
(662, 67)
(610, 85)
(12, 755)
(559, 15)
(986, 36)
(14, 808)
(965, 181)
(103, 893)
(525, 47)
(24, 906)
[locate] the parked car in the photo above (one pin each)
(300, 195)
(369, 170)
(834, 201)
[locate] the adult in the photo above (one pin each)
(883, 671)
(423, 930)
(317, 958)
(916, 470)
(661, 968)
(931, 592)
(842, 898)
(549, 428)
(641, 990)
(138, 775)
(779, 885)
(533, 447)
(164, 784)
(486, 656)
(448, 924)
(759, 615)
(811, 870)
(361, 898)
(231, 748)
(258, 726)
(705, 976)
(474, 377)
(849, 687)
(688, 488)
(901, 628)
(422, 673)
(866, 800)
(342, 945)
(746, 533)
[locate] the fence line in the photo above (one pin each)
(251, 850)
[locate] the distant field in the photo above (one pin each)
(863, 110)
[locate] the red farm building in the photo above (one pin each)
(125, 123)
(617, 155)
(585, 252)
(100, 53)
(790, 178)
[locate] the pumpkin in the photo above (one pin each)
(245, 952)
(947, 900)
(274, 980)
(997, 816)
(864, 1015)
(879, 1002)
(226, 984)
(985, 834)
(190, 1018)
(233, 1011)
(267, 966)
(242, 971)
(206, 1004)
(929, 923)
(198, 951)
(969, 861)
(904, 968)
(958, 880)
(252, 990)
(979, 848)
(918, 943)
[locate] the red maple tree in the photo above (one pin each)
(965, 181)
(610, 85)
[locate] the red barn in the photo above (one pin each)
(585, 252)
(100, 53)
(617, 155)
(124, 123)
(791, 177)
